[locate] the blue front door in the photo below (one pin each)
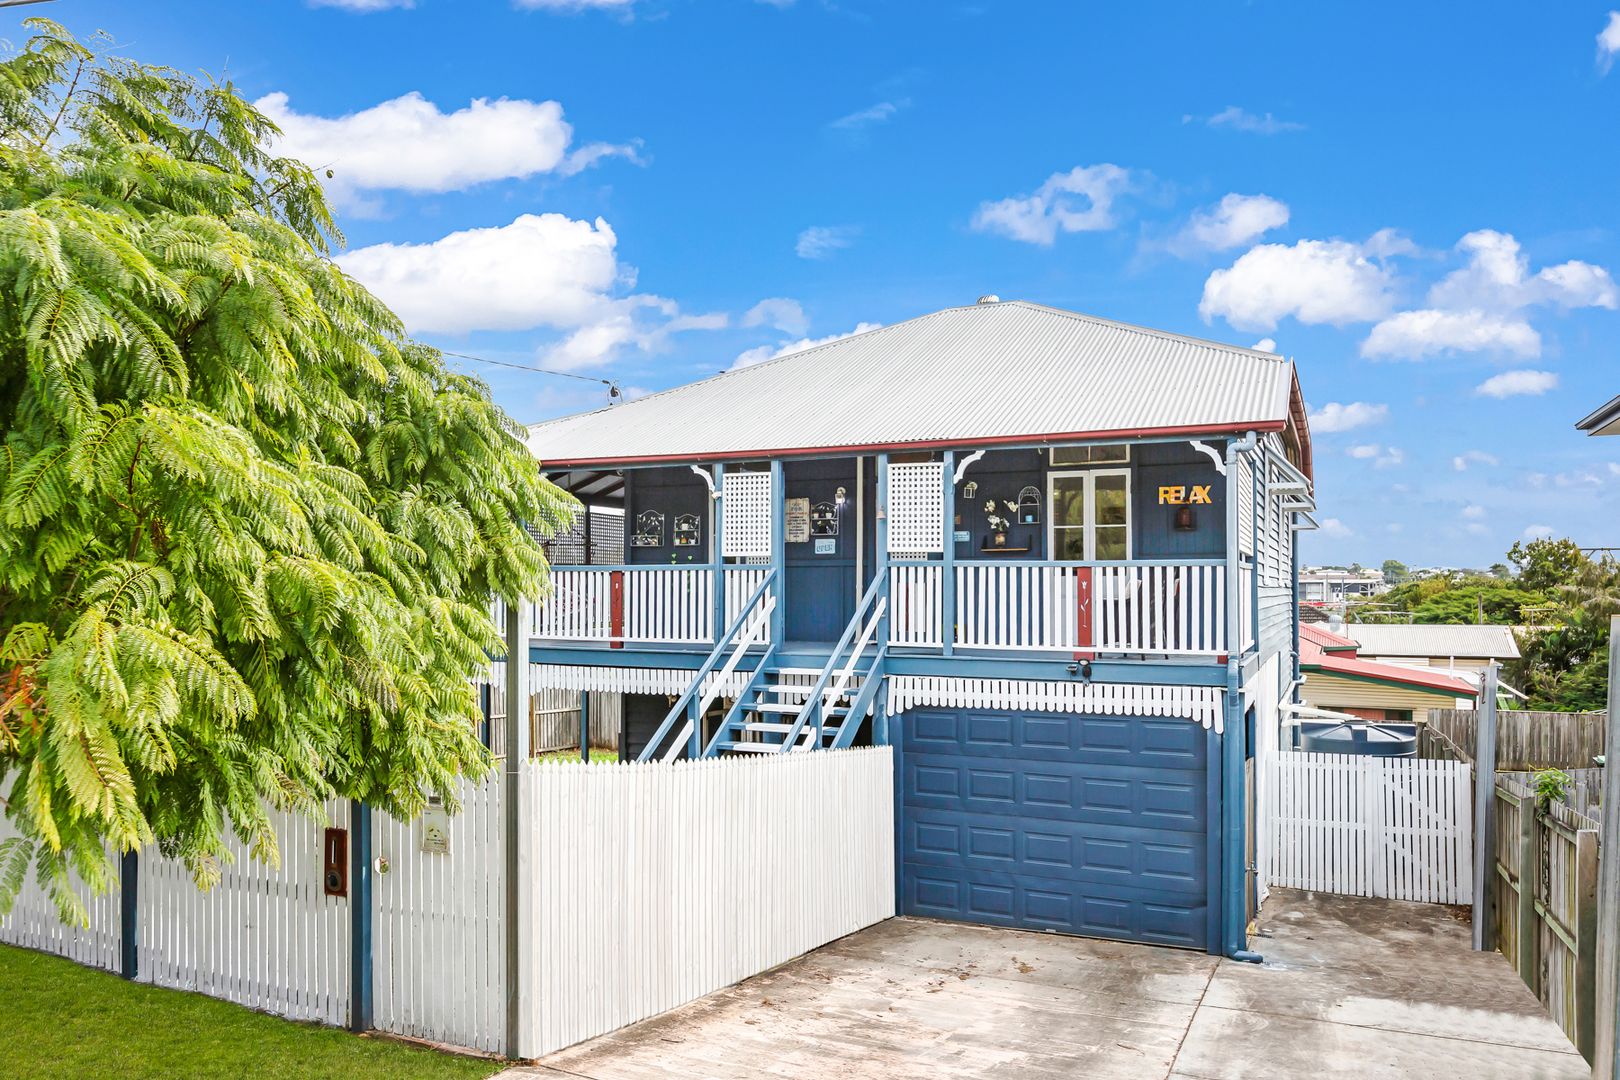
(821, 589)
(1091, 825)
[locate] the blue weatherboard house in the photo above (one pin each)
(1046, 556)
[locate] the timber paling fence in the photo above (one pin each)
(644, 886)
(1525, 741)
(1544, 901)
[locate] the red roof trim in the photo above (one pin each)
(920, 444)
(1314, 658)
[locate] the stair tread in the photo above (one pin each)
(752, 747)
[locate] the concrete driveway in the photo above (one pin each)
(1352, 988)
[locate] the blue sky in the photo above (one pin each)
(1416, 203)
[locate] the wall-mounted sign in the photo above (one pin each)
(826, 546)
(961, 536)
(797, 525)
(649, 530)
(688, 530)
(824, 519)
(436, 831)
(1178, 495)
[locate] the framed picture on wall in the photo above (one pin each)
(649, 530)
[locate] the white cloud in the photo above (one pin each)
(820, 241)
(880, 113)
(1365, 450)
(778, 312)
(1497, 278)
(1474, 512)
(1540, 532)
(1080, 200)
(1234, 221)
(1608, 42)
(1472, 457)
(1479, 308)
(1234, 118)
(1335, 417)
(1265, 344)
(408, 144)
(541, 271)
(771, 352)
(1315, 281)
(1382, 457)
(1514, 383)
(1335, 528)
(1412, 335)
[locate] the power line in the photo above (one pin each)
(613, 388)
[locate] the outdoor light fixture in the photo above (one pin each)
(1185, 522)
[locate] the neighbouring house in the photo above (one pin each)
(1605, 420)
(1463, 650)
(1046, 556)
(1323, 586)
(1338, 679)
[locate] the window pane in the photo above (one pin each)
(1111, 500)
(1068, 500)
(1111, 542)
(1070, 544)
(1117, 452)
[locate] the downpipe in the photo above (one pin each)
(1234, 924)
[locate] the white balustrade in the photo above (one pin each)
(662, 604)
(916, 605)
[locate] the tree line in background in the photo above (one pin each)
(1559, 598)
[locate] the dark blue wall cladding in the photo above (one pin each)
(821, 584)
(1001, 474)
(671, 492)
(1086, 825)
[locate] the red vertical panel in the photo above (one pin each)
(616, 609)
(1082, 592)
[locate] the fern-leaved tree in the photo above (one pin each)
(249, 532)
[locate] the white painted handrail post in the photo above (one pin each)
(1485, 811)
(1606, 1051)
(880, 715)
(513, 809)
(778, 551)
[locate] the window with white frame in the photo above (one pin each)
(1090, 520)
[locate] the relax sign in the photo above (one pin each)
(1195, 495)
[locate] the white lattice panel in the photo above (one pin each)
(746, 524)
(916, 507)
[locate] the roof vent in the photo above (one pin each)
(989, 298)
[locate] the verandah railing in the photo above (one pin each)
(1142, 607)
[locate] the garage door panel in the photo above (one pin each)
(1053, 904)
(1078, 824)
(1114, 855)
(1103, 794)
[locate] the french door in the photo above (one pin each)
(1090, 518)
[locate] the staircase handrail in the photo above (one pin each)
(728, 640)
(813, 703)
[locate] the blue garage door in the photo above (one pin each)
(1049, 821)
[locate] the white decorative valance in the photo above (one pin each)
(1201, 704)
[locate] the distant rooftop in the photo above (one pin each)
(1423, 639)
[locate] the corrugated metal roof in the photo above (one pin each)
(985, 374)
(1483, 642)
(1312, 657)
(1604, 421)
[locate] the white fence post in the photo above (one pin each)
(515, 863)
(1606, 1052)
(1485, 812)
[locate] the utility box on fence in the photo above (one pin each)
(335, 874)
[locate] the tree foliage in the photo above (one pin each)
(250, 530)
(1545, 563)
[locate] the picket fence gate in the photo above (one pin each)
(1394, 828)
(647, 885)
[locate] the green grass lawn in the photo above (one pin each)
(60, 1019)
(597, 755)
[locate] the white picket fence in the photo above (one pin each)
(1396, 828)
(648, 885)
(439, 946)
(265, 937)
(656, 884)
